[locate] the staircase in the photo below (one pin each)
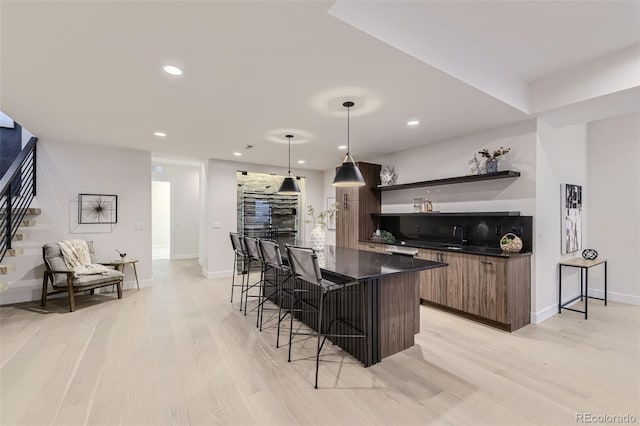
(17, 192)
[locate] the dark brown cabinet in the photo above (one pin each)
(495, 289)
(355, 206)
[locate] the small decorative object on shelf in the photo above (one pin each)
(122, 255)
(388, 176)
(318, 235)
(428, 206)
(510, 243)
(474, 165)
(590, 254)
(418, 205)
(491, 162)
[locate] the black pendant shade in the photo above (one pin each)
(289, 185)
(349, 174)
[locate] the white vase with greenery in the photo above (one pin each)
(319, 220)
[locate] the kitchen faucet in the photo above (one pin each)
(455, 232)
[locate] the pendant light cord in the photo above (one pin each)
(289, 139)
(348, 131)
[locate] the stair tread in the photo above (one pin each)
(6, 268)
(14, 252)
(28, 211)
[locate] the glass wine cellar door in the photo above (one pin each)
(263, 213)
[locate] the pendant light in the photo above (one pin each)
(289, 185)
(349, 174)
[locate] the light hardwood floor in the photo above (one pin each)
(179, 353)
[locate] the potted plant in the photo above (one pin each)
(320, 220)
(491, 162)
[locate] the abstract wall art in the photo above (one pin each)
(571, 227)
(97, 209)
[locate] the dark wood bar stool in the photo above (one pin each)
(304, 266)
(239, 257)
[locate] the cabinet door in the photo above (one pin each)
(433, 282)
(457, 278)
(474, 292)
(493, 285)
(347, 225)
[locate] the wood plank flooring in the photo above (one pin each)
(180, 353)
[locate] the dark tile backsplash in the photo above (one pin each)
(478, 230)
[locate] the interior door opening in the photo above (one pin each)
(161, 220)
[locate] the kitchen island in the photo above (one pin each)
(388, 309)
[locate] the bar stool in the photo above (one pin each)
(273, 262)
(240, 255)
(304, 266)
(253, 255)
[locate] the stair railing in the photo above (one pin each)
(18, 187)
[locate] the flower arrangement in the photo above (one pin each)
(322, 217)
(497, 153)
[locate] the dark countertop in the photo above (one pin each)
(361, 265)
(479, 250)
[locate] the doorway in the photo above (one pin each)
(161, 219)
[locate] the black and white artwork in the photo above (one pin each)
(571, 218)
(97, 209)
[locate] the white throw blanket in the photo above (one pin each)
(77, 258)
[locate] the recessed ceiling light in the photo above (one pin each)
(160, 134)
(237, 154)
(343, 147)
(173, 70)
(413, 122)
(301, 161)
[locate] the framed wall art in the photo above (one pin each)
(571, 218)
(97, 209)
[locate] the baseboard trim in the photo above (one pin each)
(544, 314)
(217, 274)
(549, 311)
(185, 256)
(629, 299)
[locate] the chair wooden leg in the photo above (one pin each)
(120, 289)
(72, 298)
(43, 300)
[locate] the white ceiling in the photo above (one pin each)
(92, 73)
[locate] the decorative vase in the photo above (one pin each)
(318, 239)
(492, 165)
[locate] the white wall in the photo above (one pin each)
(450, 158)
(614, 204)
(185, 207)
(63, 171)
(561, 157)
(222, 208)
(611, 73)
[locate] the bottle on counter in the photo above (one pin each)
(428, 205)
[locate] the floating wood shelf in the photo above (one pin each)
(441, 214)
(449, 181)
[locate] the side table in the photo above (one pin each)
(584, 265)
(120, 264)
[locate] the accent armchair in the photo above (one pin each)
(62, 279)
